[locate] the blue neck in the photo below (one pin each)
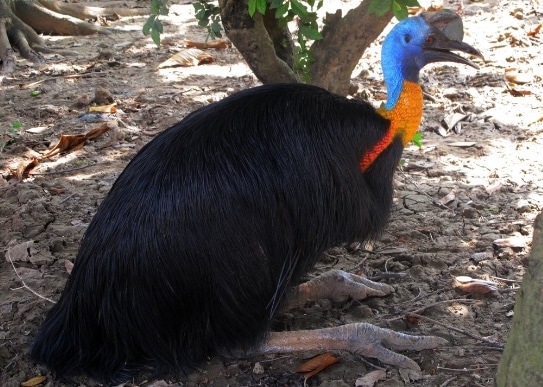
(401, 57)
(395, 74)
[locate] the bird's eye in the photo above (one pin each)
(407, 38)
(429, 39)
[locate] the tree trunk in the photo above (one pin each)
(269, 50)
(251, 38)
(522, 361)
(343, 44)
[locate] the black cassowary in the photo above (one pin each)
(211, 225)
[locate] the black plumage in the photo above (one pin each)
(209, 226)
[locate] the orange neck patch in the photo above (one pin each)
(404, 121)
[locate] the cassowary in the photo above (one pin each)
(214, 222)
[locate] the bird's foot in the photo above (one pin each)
(359, 338)
(338, 286)
(380, 343)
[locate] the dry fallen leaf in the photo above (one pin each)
(67, 142)
(371, 378)
(23, 168)
(103, 109)
(536, 30)
(317, 364)
(476, 288)
(490, 189)
(215, 43)
(448, 198)
(72, 142)
(34, 381)
(514, 242)
(97, 132)
(187, 58)
(514, 76)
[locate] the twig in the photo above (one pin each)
(450, 327)
(69, 76)
(423, 309)
(465, 369)
(8, 255)
(446, 382)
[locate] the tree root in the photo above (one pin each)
(21, 21)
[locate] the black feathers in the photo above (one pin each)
(211, 224)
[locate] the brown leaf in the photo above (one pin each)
(317, 364)
(97, 132)
(215, 43)
(514, 76)
(187, 58)
(103, 109)
(23, 168)
(72, 142)
(448, 198)
(67, 142)
(476, 288)
(518, 93)
(536, 30)
(34, 381)
(371, 378)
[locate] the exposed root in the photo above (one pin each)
(7, 56)
(84, 12)
(23, 20)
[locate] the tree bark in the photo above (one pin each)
(20, 19)
(344, 41)
(522, 361)
(251, 38)
(269, 50)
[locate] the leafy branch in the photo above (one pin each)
(153, 25)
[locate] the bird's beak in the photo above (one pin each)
(445, 35)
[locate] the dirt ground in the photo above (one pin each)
(464, 204)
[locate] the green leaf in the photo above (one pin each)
(310, 32)
(277, 3)
(35, 93)
(148, 25)
(410, 3)
(417, 139)
(379, 7)
(401, 13)
(299, 9)
(281, 11)
(261, 6)
(252, 7)
(155, 35)
(17, 125)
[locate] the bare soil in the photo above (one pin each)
(464, 203)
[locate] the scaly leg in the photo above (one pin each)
(359, 338)
(338, 286)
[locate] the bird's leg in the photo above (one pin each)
(359, 338)
(338, 286)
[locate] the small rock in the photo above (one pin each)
(258, 369)
(103, 96)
